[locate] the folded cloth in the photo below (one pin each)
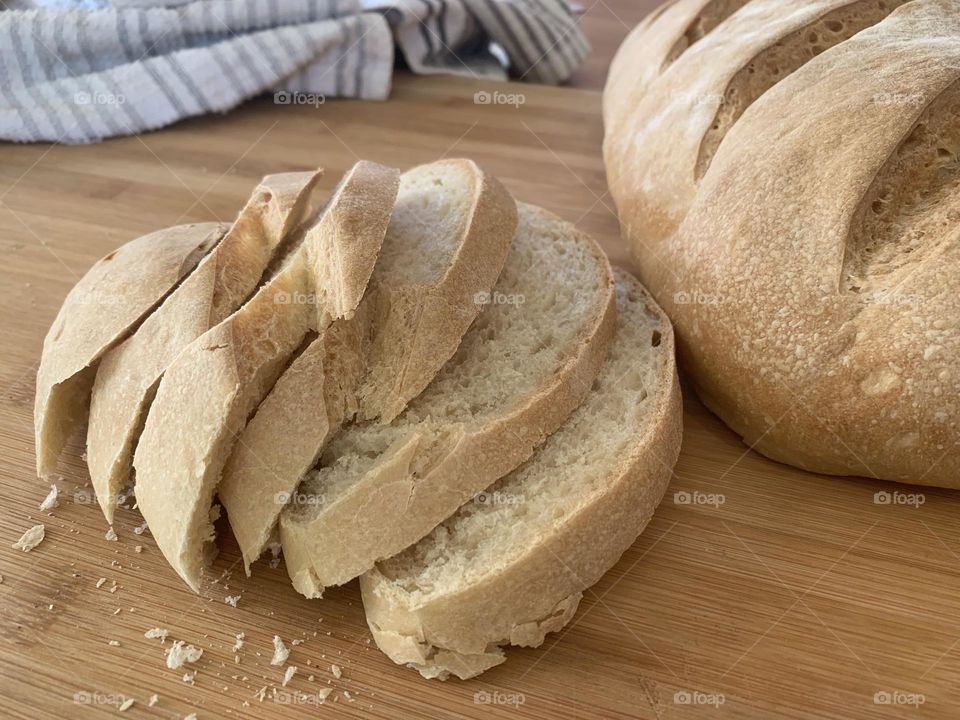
(85, 70)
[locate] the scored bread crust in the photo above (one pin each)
(99, 311)
(371, 364)
(460, 631)
(216, 382)
(420, 481)
(781, 254)
(128, 375)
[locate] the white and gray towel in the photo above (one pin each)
(80, 71)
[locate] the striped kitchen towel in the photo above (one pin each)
(77, 71)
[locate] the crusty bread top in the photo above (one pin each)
(99, 311)
(497, 570)
(217, 381)
(525, 364)
(798, 233)
(128, 374)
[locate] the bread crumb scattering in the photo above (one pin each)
(155, 633)
(100, 582)
(30, 539)
(261, 693)
(232, 600)
(280, 651)
(111, 535)
(126, 705)
(50, 501)
(239, 643)
(337, 673)
(153, 700)
(288, 675)
(178, 654)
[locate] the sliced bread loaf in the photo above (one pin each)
(524, 365)
(447, 240)
(213, 385)
(511, 565)
(103, 308)
(128, 375)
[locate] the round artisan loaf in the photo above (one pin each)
(789, 181)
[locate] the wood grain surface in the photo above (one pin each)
(758, 591)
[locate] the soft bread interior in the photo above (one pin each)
(514, 521)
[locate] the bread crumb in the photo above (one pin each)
(100, 583)
(337, 673)
(280, 651)
(347, 696)
(298, 641)
(177, 655)
(324, 693)
(111, 535)
(232, 600)
(191, 716)
(310, 678)
(126, 705)
(239, 643)
(189, 677)
(30, 539)
(288, 675)
(153, 700)
(50, 501)
(114, 643)
(261, 693)
(141, 529)
(138, 548)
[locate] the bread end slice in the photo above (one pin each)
(509, 567)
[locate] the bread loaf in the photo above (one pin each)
(789, 181)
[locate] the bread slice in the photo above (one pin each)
(447, 241)
(525, 364)
(213, 385)
(108, 302)
(128, 375)
(511, 565)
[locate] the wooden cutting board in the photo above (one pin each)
(758, 591)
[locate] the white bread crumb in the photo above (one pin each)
(189, 677)
(324, 693)
(30, 539)
(114, 643)
(239, 643)
(288, 675)
(50, 501)
(100, 582)
(138, 548)
(191, 716)
(337, 673)
(280, 651)
(177, 655)
(231, 600)
(153, 700)
(126, 705)
(111, 535)
(156, 633)
(141, 529)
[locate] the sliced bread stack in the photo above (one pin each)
(364, 384)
